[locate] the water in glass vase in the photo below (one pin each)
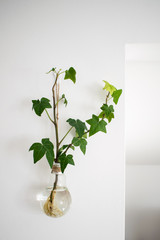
(56, 199)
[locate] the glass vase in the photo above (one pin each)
(56, 199)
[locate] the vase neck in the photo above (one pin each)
(56, 168)
(57, 176)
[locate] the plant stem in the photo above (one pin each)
(68, 148)
(55, 117)
(110, 98)
(72, 144)
(61, 72)
(65, 136)
(107, 97)
(85, 132)
(49, 116)
(58, 101)
(54, 187)
(55, 183)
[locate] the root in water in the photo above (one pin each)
(50, 208)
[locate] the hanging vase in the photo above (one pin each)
(56, 198)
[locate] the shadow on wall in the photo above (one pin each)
(143, 224)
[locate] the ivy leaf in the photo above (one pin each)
(72, 147)
(79, 126)
(116, 94)
(65, 100)
(108, 87)
(83, 145)
(70, 74)
(80, 142)
(65, 160)
(38, 151)
(107, 112)
(63, 148)
(49, 150)
(96, 125)
(76, 141)
(85, 135)
(52, 70)
(39, 106)
(107, 109)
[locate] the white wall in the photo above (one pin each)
(142, 138)
(142, 73)
(89, 35)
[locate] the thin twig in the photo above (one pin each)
(68, 147)
(72, 143)
(49, 116)
(55, 117)
(107, 97)
(65, 136)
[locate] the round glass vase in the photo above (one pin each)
(56, 199)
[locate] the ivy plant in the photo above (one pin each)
(56, 152)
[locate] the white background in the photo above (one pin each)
(90, 36)
(142, 83)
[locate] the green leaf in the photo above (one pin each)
(65, 100)
(96, 125)
(39, 106)
(108, 87)
(85, 135)
(81, 142)
(45, 103)
(107, 112)
(65, 160)
(72, 147)
(107, 109)
(83, 145)
(63, 148)
(52, 70)
(49, 150)
(38, 151)
(76, 141)
(70, 159)
(79, 126)
(70, 74)
(116, 94)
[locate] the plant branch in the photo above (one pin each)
(85, 132)
(54, 187)
(59, 101)
(72, 143)
(68, 148)
(55, 117)
(49, 116)
(107, 97)
(61, 72)
(65, 136)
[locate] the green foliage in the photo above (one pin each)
(65, 160)
(39, 106)
(40, 149)
(107, 112)
(108, 87)
(65, 100)
(49, 150)
(96, 125)
(79, 126)
(116, 94)
(70, 74)
(64, 147)
(52, 70)
(81, 142)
